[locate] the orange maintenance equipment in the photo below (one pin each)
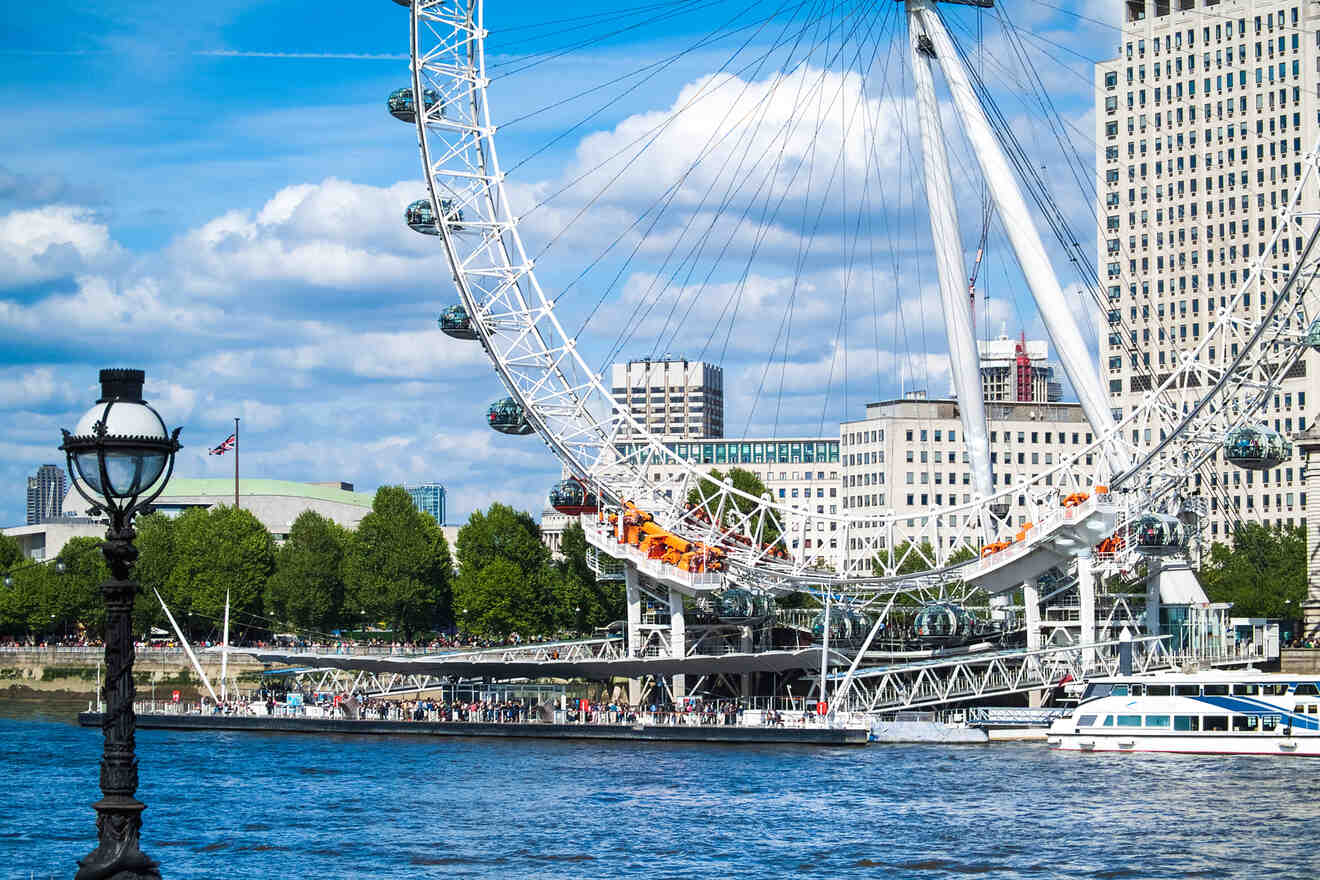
(994, 547)
(1075, 499)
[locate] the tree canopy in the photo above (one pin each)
(1263, 574)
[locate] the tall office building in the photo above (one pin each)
(45, 494)
(1201, 125)
(1016, 371)
(672, 398)
(429, 498)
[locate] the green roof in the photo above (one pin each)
(186, 487)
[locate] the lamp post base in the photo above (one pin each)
(117, 857)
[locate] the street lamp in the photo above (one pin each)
(120, 456)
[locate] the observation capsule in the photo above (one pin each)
(941, 620)
(508, 417)
(420, 217)
(735, 603)
(1160, 535)
(454, 321)
(1256, 447)
(401, 106)
(570, 497)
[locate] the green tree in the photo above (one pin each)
(155, 543)
(500, 599)
(516, 595)
(219, 551)
(909, 558)
(10, 552)
(73, 597)
(397, 565)
(1263, 574)
(307, 588)
(581, 602)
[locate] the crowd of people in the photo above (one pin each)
(494, 711)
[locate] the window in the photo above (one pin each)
(1245, 723)
(1216, 723)
(1086, 721)
(1216, 690)
(1307, 689)
(1157, 720)
(1186, 722)
(1187, 690)
(1129, 720)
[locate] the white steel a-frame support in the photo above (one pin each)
(1019, 226)
(964, 359)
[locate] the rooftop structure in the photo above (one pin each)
(1017, 370)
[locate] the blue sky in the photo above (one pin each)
(214, 194)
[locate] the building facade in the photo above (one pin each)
(45, 494)
(671, 398)
(908, 455)
(1016, 370)
(429, 498)
(1202, 121)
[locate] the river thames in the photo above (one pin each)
(345, 807)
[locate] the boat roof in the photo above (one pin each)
(1205, 675)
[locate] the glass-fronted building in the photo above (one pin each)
(429, 498)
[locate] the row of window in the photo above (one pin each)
(1179, 116)
(1190, 723)
(1174, 41)
(1173, 67)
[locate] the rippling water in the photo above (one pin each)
(338, 807)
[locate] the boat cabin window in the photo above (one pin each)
(1129, 720)
(1216, 690)
(1268, 723)
(1307, 689)
(1277, 689)
(1095, 691)
(1214, 722)
(1186, 722)
(1086, 721)
(1109, 721)
(1118, 690)
(1245, 723)
(1136, 690)
(1158, 690)
(1245, 690)
(1187, 690)
(1157, 720)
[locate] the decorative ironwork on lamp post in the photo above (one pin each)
(120, 456)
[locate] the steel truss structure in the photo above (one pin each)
(975, 677)
(1146, 460)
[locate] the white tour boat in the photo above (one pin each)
(1218, 713)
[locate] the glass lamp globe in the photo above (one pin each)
(120, 448)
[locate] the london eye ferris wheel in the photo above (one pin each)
(807, 207)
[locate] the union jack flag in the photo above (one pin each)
(225, 446)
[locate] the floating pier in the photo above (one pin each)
(713, 733)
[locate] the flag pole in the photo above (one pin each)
(236, 463)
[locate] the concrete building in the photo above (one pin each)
(429, 498)
(45, 493)
(801, 472)
(276, 503)
(1202, 121)
(45, 540)
(672, 398)
(908, 454)
(1016, 370)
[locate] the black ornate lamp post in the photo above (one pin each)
(120, 457)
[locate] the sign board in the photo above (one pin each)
(175, 696)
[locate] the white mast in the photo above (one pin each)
(964, 360)
(1021, 229)
(224, 653)
(187, 649)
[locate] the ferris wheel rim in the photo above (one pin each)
(540, 314)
